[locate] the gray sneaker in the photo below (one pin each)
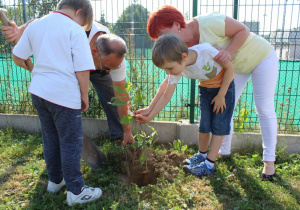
(87, 194)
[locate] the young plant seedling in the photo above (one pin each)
(177, 145)
(143, 141)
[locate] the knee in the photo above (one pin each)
(266, 112)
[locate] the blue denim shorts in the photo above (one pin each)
(217, 124)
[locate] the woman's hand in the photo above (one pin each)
(223, 56)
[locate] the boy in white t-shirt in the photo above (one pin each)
(59, 88)
(216, 92)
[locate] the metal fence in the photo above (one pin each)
(275, 20)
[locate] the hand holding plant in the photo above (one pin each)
(139, 118)
(145, 111)
(142, 115)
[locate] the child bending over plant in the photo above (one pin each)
(216, 92)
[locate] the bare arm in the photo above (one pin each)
(21, 62)
(84, 80)
(159, 105)
(162, 88)
(239, 34)
(219, 100)
(123, 110)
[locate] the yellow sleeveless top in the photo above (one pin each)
(245, 59)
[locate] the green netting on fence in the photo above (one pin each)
(277, 21)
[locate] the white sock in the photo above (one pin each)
(203, 154)
(209, 164)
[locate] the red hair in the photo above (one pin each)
(163, 17)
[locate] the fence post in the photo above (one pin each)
(24, 11)
(192, 103)
(235, 9)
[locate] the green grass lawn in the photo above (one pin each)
(235, 185)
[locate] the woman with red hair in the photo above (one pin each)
(251, 55)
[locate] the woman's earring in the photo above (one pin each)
(178, 31)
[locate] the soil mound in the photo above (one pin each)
(155, 166)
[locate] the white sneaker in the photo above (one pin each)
(54, 188)
(87, 194)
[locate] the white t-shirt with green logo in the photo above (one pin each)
(204, 68)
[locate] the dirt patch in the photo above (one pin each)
(156, 166)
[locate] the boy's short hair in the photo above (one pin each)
(110, 43)
(86, 10)
(168, 47)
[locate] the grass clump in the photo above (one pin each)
(235, 185)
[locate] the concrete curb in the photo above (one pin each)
(167, 131)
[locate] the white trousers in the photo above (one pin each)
(264, 80)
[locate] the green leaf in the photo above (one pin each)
(135, 145)
(127, 119)
(119, 90)
(139, 98)
(140, 137)
(176, 145)
(151, 127)
(244, 112)
(128, 87)
(143, 157)
(118, 102)
(144, 143)
(153, 134)
(184, 147)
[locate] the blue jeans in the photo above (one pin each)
(104, 88)
(62, 142)
(217, 124)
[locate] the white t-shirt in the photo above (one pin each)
(96, 27)
(204, 68)
(60, 48)
(119, 73)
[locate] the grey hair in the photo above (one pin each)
(168, 47)
(86, 10)
(110, 43)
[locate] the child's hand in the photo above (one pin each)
(220, 104)
(145, 112)
(84, 103)
(141, 118)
